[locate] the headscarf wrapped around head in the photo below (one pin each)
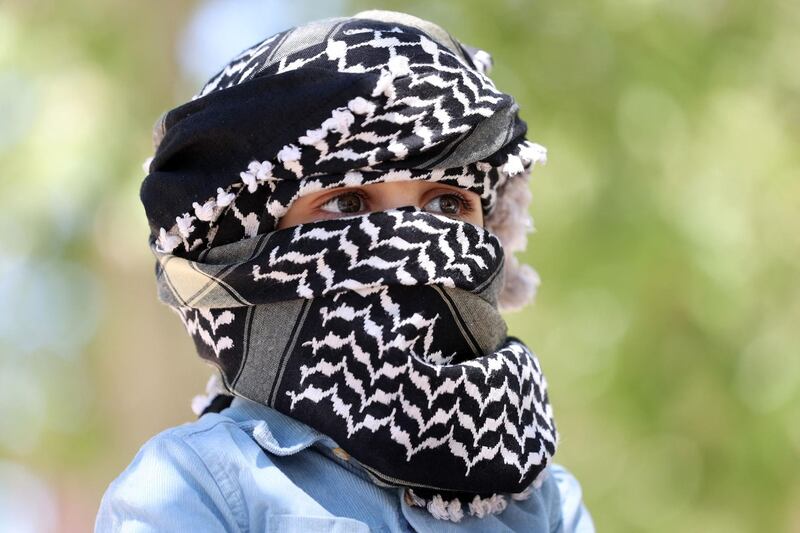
(380, 96)
(381, 330)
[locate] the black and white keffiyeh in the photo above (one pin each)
(380, 330)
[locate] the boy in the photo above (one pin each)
(334, 216)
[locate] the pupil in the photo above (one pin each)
(348, 203)
(449, 204)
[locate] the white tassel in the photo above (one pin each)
(146, 164)
(437, 507)
(312, 137)
(289, 153)
(454, 510)
(290, 156)
(249, 180)
(224, 199)
(257, 172)
(532, 153)
(205, 212)
(264, 170)
(481, 507)
(185, 226)
(497, 503)
(514, 165)
(442, 510)
(361, 106)
(483, 60)
(167, 242)
(214, 388)
(340, 121)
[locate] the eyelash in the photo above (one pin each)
(466, 205)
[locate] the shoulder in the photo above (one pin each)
(174, 478)
(575, 516)
(193, 449)
(228, 471)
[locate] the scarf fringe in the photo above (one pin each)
(214, 388)
(452, 510)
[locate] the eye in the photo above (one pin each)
(346, 202)
(449, 204)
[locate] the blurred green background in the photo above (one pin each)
(668, 242)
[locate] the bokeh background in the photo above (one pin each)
(668, 242)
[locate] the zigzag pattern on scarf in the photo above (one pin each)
(395, 246)
(403, 246)
(389, 376)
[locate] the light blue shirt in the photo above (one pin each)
(250, 468)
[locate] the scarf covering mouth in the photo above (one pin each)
(380, 330)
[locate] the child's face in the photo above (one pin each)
(344, 201)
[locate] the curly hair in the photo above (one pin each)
(511, 222)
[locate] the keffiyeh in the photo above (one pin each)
(380, 330)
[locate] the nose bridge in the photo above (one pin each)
(398, 194)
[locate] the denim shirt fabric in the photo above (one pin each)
(250, 468)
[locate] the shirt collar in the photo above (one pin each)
(282, 435)
(274, 431)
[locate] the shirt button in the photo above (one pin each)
(341, 454)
